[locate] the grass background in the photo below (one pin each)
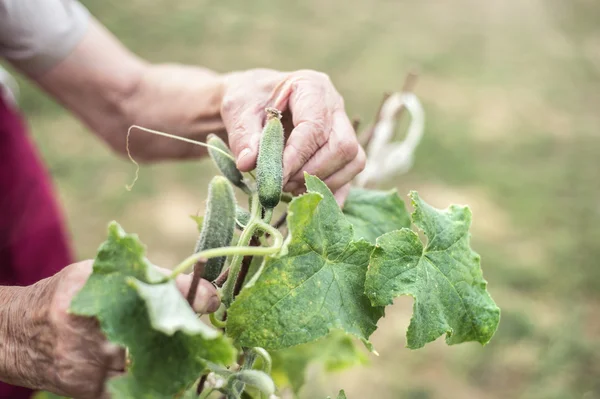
(512, 94)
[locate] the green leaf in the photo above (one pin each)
(444, 277)
(341, 395)
(47, 395)
(335, 352)
(317, 285)
(199, 221)
(140, 309)
(374, 212)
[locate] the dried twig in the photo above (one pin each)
(355, 124)
(365, 137)
(281, 221)
(198, 273)
(219, 281)
(201, 383)
(254, 242)
(408, 87)
(410, 81)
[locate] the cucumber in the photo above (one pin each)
(218, 224)
(269, 166)
(242, 217)
(225, 164)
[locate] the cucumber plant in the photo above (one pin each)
(293, 293)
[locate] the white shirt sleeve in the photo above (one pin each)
(37, 34)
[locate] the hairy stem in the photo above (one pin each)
(266, 358)
(236, 261)
(238, 387)
(217, 252)
(216, 322)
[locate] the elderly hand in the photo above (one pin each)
(68, 354)
(320, 137)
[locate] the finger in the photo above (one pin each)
(345, 175)
(341, 195)
(340, 149)
(206, 300)
(243, 122)
(312, 109)
(115, 356)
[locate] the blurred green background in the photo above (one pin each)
(512, 94)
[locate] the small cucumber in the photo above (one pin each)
(218, 224)
(225, 164)
(269, 166)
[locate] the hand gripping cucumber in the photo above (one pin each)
(269, 166)
(218, 224)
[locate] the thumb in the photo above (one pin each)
(243, 128)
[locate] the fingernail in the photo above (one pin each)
(245, 152)
(213, 304)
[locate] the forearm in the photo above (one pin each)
(110, 89)
(24, 342)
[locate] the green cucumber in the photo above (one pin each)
(218, 224)
(269, 166)
(225, 164)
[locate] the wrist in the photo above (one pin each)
(178, 99)
(26, 338)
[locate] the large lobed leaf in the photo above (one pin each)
(316, 287)
(139, 310)
(444, 277)
(374, 212)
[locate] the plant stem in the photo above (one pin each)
(238, 387)
(201, 383)
(216, 322)
(198, 272)
(266, 358)
(355, 124)
(254, 242)
(281, 221)
(236, 261)
(222, 278)
(268, 215)
(287, 198)
(217, 252)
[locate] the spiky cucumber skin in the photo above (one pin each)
(269, 166)
(218, 224)
(224, 164)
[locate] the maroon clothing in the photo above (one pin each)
(33, 240)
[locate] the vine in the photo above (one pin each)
(298, 291)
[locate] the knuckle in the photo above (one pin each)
(229, 105)
(361, 160)
(347, 150)
(316, 132)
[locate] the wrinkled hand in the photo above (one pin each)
(320, 137)
(82, 359)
